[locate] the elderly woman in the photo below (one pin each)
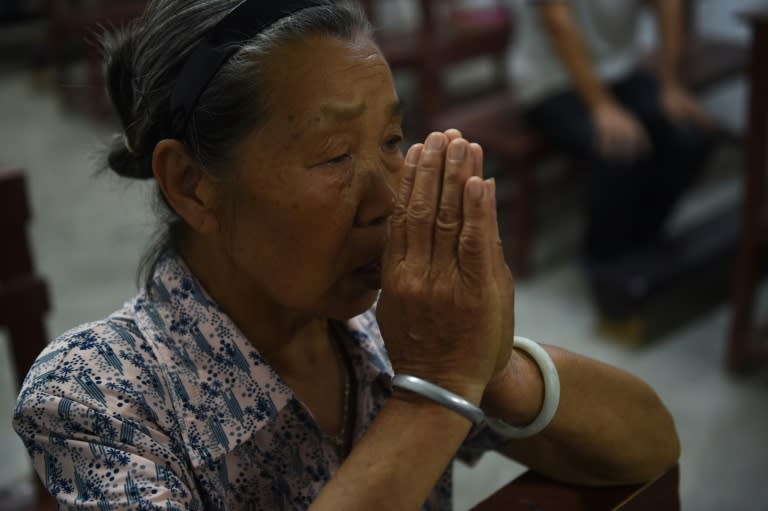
(251, 371)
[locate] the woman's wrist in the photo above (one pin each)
(509, 397)
(411, 404)
(471, 392)
(516, 393)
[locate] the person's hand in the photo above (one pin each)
(619, 133)
(680, 106)
(501, 272)
(441, 309)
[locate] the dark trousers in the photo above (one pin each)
(628, 199)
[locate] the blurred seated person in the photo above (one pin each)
(642, 136)
(325, 324)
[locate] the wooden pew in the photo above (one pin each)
(532, 492)
(747, 346)
(24, 302)
(23, 293)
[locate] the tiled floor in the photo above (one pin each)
(89, 231)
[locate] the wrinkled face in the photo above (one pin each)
(316, 183)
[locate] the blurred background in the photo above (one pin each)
(687, 318)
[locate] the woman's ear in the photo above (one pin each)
(188, 189)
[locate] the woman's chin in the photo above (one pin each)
(353, 306)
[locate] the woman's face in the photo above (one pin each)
(315, 187)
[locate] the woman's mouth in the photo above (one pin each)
(370, 274)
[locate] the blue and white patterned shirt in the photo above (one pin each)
(165, 405)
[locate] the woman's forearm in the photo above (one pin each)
(610, 427)
(399, 460)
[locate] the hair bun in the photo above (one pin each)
(119, 49)
(127, 163)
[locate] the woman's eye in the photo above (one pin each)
(339, 159)
(393, 143)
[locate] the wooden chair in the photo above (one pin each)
(23, 303)
(745, 348)
(532, 492)
(23, 293)
(26, 495)
(73, 28)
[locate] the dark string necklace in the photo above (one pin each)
(342, 439)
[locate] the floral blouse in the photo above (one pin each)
(165, 405)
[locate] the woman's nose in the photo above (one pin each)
(378, 200)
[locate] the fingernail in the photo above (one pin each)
(436, 142)
(457, 151)
(475, 189)
(413, 155)
(490, 187)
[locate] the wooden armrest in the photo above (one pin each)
(23, 304)
(27, 494)
(23, 298)
(13, 198)
(15, 256)
(532, 492)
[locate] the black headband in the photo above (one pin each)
(242, 24)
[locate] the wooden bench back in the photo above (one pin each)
(15, 256)
(23, 294)
(534, 492)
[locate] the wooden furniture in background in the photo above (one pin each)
(441, 32)
(743, 348)
(402, 47)
(74, 27)
(23, 304)
(532, 492)
(27, 495)
(23, 293)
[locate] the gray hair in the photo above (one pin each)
(143, 60)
